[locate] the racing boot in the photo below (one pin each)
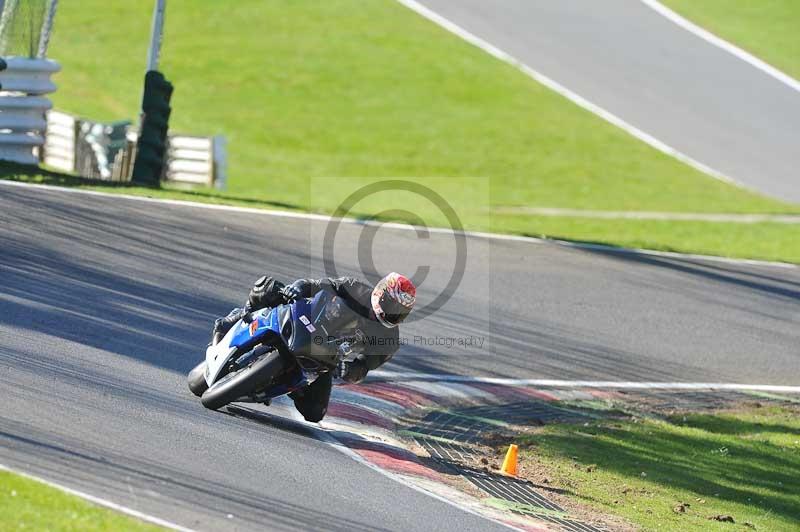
(312, 401)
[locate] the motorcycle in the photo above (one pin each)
(275, 351)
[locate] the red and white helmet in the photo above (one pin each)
(393, 298)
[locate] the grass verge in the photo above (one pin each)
(767, 29)
(26, 504)
(363, 90)
(679, 472)
(360, 91)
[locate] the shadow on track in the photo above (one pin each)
(757, 282)
(255, 510)
(113, 281)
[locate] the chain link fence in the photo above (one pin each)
(25, 27)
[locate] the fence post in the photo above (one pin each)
(220, 158)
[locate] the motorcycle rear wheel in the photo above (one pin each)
(243, 382)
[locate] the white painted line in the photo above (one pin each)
(403, 227)
(167, 201)
(553, 383)
(101, 502)
(707, 36)
(565, 92)
(738, 218)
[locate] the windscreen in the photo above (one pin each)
(319, 324)
(330, 315)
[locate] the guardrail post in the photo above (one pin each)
(220, 159)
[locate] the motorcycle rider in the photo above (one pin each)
(380, 310)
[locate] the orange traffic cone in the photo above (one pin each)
(510, 462)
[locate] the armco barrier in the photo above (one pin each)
(23, 106)
(103, 151)
(59, 141)
(196, 160)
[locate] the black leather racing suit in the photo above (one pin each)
(377, 346)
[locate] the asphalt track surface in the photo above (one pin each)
(106, 303)
(655, 75)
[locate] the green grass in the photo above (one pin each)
(365, 90)
(745, 464)
(26, 504)
(769, 29)
(765, 241)
(368, 89)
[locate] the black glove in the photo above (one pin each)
(266, 292)
(292, 291)
(352, 371)
(223, 325)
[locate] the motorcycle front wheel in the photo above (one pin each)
(197, 379)
(243, 382)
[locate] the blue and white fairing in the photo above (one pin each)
(303, 328)
(218, 355)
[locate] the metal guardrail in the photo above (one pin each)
(107, 151)
(32, 133)
(196, 160)
(59, 147)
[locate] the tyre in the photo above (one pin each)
(242, 382)
(197, 379)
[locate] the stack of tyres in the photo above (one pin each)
(152, 145)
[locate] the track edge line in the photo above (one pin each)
(723, 44)
(572, 96)
(99, 501)
(475, 234)
(555, 383)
